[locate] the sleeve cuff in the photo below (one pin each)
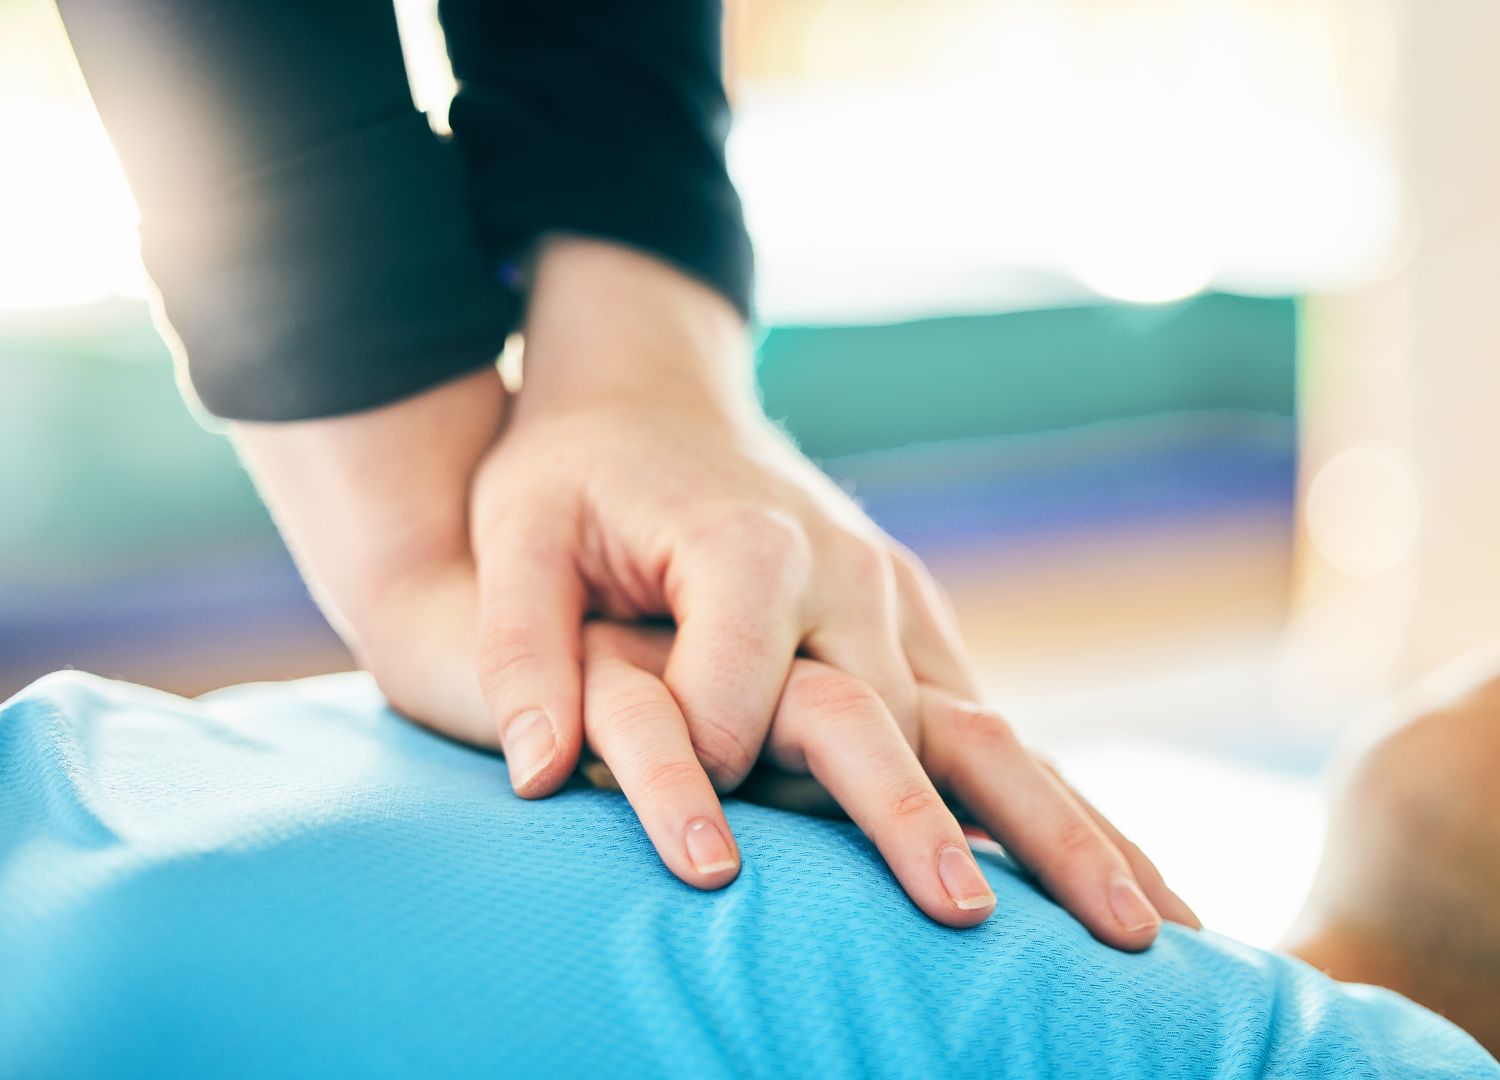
(531, 176)
(342, 280)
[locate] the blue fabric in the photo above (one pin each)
(289, 880)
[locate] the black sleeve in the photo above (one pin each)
(603, 117)
(308, 234)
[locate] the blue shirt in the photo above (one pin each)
(288, 880)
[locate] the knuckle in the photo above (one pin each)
(633, 715)
(669, 775)
(762, 532)
(1076, 840)
(861, 559)
(910, 571)
(912, 802)
(504, 649)
(724, 753)
(767, 528)
(836, 696)
(978, 727)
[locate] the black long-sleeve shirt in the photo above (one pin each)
(318, 250)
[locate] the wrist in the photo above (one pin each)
(608, 324)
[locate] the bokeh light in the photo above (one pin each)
(1364, 510)
(66, 216)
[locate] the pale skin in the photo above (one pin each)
(510, 569)
(1406, 893)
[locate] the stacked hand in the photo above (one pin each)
(508, 570)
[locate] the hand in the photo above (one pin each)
(637, 477)
(374, 507)
(835, 728)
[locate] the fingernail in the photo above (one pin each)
(530, 744)
(965, 883)
(707, 847)
(1130, 905)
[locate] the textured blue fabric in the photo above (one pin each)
(289, 880)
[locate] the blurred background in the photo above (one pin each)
(1160, 328)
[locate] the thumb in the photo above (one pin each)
(531, 602)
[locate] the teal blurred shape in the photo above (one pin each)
(102, 468)
(101, 464)
(848, 389)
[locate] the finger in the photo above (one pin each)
(531, 610)
(861, 634)
(840, 730)
(929, 631)
(1171, 906)
(636, 728)
(736, 604)
(975, 754)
